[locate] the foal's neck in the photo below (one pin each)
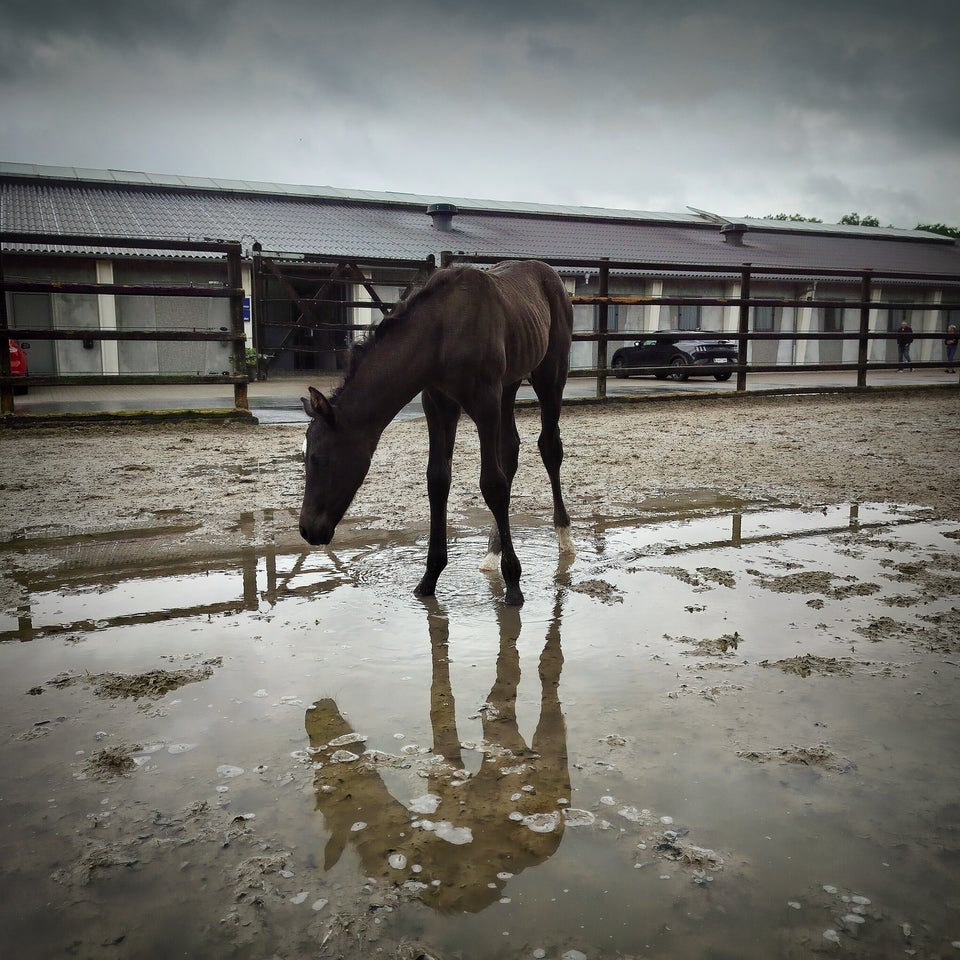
(386, 380)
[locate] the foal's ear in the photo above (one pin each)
(317, 405)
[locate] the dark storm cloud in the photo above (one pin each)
(849, 57)
(748, 106)
(891, 63)
(104, 24)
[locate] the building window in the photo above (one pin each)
(685, 316)
(688, 316)
(896, 316)
(763, 318)
(832, 319)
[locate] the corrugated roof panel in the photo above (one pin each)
(129, 176)
(242, 186)
(11, 169)
(841, 229)
(67, 172)
(352, 227)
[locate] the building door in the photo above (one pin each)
(33, 311)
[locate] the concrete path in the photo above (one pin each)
(277, 401)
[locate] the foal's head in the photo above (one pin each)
(336, 461)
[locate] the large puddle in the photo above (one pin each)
(717, 732)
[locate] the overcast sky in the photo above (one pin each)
(740, 107)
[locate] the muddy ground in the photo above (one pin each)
(899, 447)
(216, 485)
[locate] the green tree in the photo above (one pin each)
(855, 220)
(941, 228)
(796, 217)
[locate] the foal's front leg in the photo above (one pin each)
(442, 415)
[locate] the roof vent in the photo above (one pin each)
(732, 233)
(442, 215)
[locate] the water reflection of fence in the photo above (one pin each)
(737, 537)
(99, 586)
(154, 575)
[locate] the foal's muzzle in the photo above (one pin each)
(317, 534)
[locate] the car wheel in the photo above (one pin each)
(618, 370)
(676, 371)
(722, 376)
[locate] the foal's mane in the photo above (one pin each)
(397, 319)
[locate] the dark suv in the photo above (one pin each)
(686, 356)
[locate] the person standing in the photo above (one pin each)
(904, 339)
(950, 345)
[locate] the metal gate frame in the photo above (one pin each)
(340, 272)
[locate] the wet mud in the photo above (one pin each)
(719, 731)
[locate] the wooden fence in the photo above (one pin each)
(231, 290)
(350, 270)
(743, 303)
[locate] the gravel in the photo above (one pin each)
(621, 460)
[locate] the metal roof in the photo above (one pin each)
(324, 221)
(267, 188)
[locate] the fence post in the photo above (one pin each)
(743, 326)
(258, 306)
(235, 283)
(603, 312)
(863, 343)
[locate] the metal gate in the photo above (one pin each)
(307, 310)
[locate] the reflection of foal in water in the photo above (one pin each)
(422, 850)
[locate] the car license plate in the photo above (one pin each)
(721, 359)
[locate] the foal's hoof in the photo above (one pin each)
(513, 597)
(423, 590)
(565, 541)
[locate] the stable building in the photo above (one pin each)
(321, 264)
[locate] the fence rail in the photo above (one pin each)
(867, 305)
(744, 302)
(231, 335)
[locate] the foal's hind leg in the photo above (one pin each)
(442, 415)
(485, 409)
(551, 452)
(509, 457)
